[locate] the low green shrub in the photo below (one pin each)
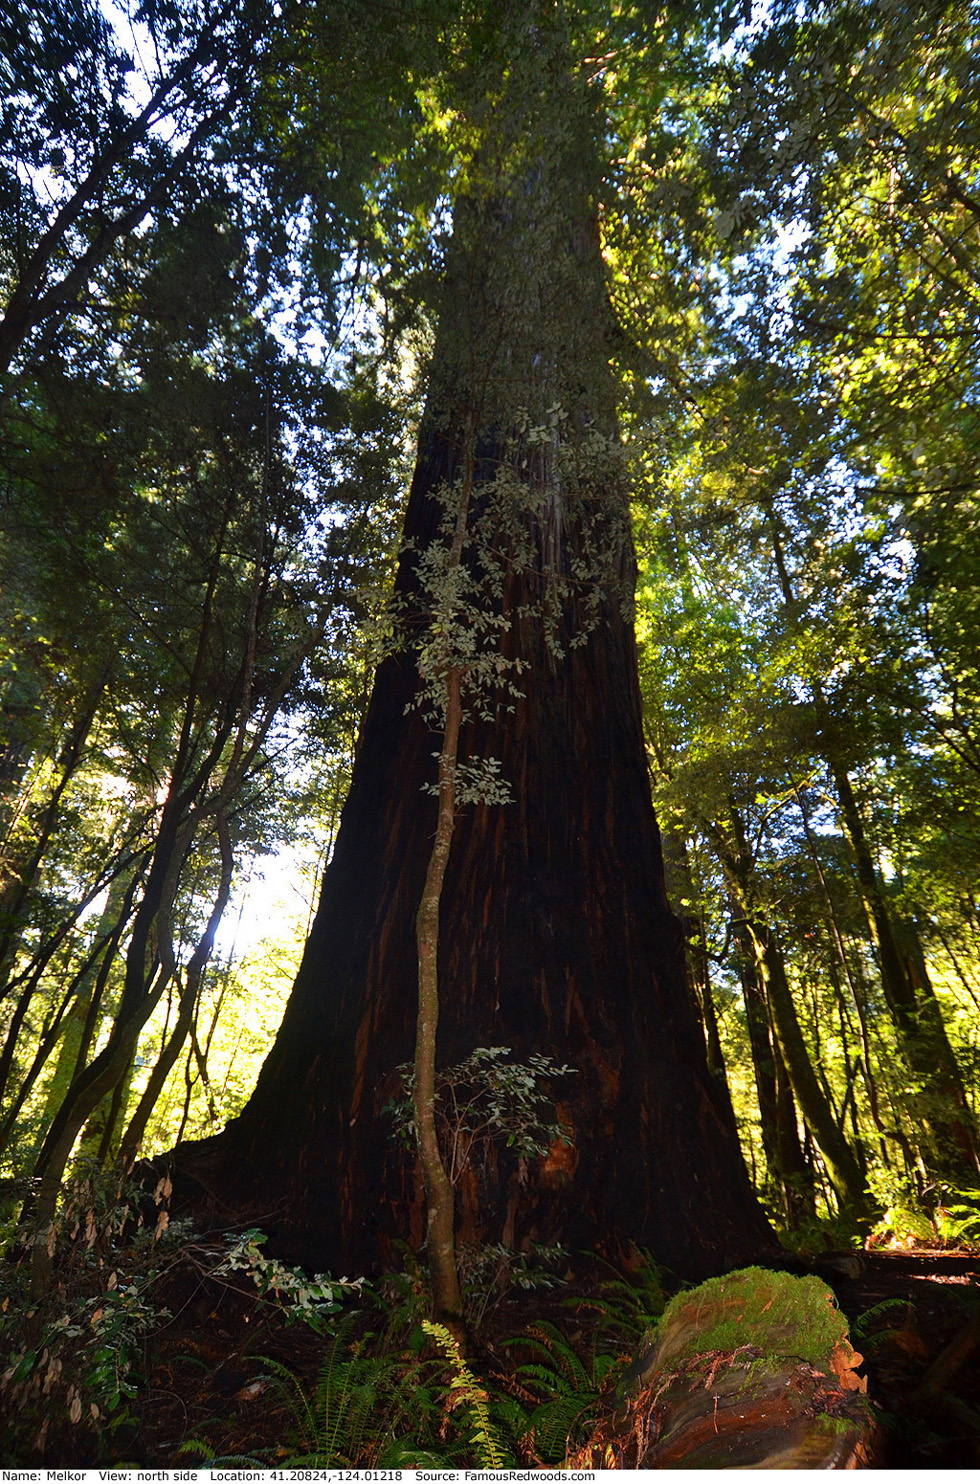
(71, 1361)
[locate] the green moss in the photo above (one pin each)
(785, 1317)
(836, 1426)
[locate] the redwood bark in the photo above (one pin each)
(555, 937)
(555, 932)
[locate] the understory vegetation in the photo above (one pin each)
(114, 1363)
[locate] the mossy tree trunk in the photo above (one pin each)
(787, 1166)
(843, 1168)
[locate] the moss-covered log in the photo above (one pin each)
(752, 1370)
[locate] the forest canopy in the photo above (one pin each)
(226, 235)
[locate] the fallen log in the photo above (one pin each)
(752, 1370)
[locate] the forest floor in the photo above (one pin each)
(226, 1376)
(218, 1374)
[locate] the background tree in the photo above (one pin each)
(805, 408)
(179, 576)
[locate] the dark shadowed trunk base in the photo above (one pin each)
(556, 938)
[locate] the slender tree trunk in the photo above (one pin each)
(785, 1075)
(17, 890)
(113, 914)
(842, 1167)
(918, 1018)
(96, 1010)
(44, 1048)
(795, 1168)
(439, 1196)
(99, 1133)
(187, 1006)
(440, 1238)
(680, 887)
(788, 1171)
(88, 1091)
(712, 1032)
(760, 1046)
(856, 997)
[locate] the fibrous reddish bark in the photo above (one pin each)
(556, 938)
(555, 935)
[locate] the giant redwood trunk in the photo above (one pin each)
(555, 933)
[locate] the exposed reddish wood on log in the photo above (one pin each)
(788, 1418)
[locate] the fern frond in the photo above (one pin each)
(348, 1419)
(545, 1378)
(555, 1422)
(862, 1323)
(199, 1448)
(490, 1451)
(558, 1357)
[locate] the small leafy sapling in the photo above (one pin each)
(495, 525)
(485, 1098)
